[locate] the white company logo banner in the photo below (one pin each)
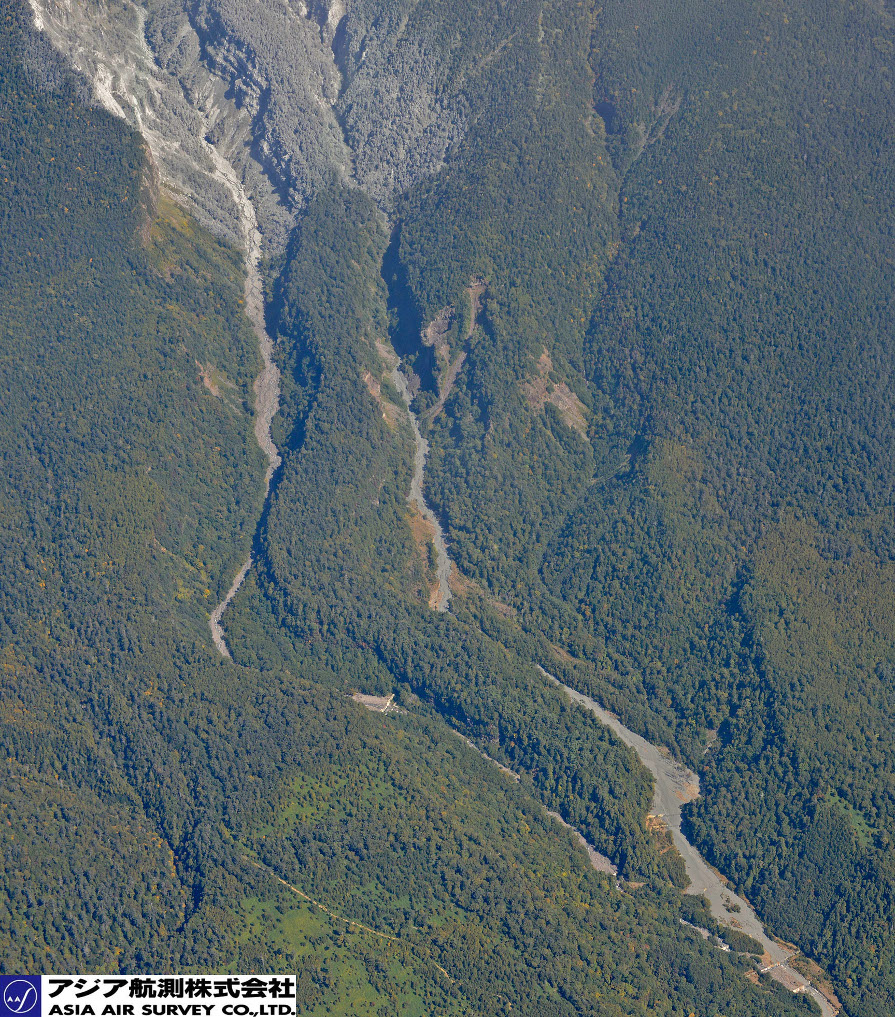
(147, 996)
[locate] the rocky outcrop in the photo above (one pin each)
(280, 71)
(335, 88)
(256, 82)
(109, 47)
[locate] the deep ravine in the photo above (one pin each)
(129, 83)
(675, 783)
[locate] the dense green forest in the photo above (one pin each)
(166, 809)
(647, 304)
(740, 349)
(713, 547)
(718, 558)
(341, 571)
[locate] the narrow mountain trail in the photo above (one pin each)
(341, 918)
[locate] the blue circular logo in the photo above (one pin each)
(20, 996)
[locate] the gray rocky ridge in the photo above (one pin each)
(291, 95)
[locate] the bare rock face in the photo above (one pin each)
(280, 71)
(337, 87)
(110, 46)
(292, 94)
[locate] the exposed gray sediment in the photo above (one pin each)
(129, 83)
(176, 113)
(214, 619)
(675, 785)
(416, 497)
(267, 384)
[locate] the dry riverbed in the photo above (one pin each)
(442, 597)
(676, 785)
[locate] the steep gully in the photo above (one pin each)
(129, 83)
(267, 384)
(267, 398)
(417, 498)
(674, 783)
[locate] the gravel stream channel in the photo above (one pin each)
(417, 498)
(676, 785)
(267, 384)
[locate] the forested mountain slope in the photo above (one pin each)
(725, 551)
(637, 260)
(664, 439)
(741, 568)
(167, 809)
